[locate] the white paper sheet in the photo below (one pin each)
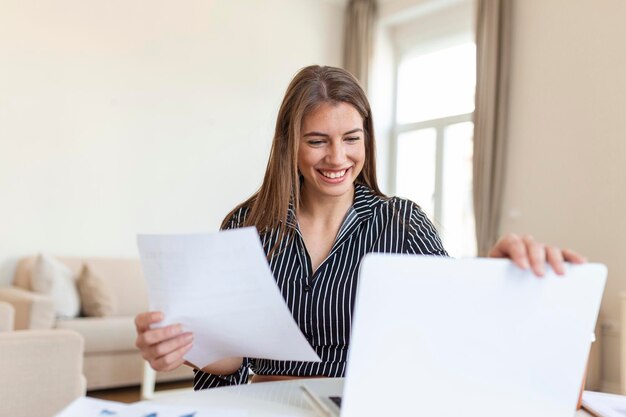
(604, 405)
(220, 287)
(92, 407)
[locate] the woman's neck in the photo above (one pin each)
(324, 208)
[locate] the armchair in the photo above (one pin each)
(41, 369)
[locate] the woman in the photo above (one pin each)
(318, 212)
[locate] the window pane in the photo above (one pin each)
(437, 84)
(415, 175)
(458, 231)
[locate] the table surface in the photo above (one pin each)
(281, 398)
(264, 399)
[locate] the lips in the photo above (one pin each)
(334, 176)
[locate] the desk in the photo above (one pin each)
(264, 399)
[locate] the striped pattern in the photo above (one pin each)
(322, 303)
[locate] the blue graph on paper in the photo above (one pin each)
(107, 412)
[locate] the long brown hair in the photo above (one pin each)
(268, 207)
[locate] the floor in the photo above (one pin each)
(132, 394)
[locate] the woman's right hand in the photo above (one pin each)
(162, 347)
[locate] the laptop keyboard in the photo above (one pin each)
(336, 400)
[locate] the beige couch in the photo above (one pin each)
(111, 358)
(41, 370)
(7, 317)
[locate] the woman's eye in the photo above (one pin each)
(315, 142)
(353, 139)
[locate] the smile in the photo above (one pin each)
(333, 174)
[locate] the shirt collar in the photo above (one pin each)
(365, 202)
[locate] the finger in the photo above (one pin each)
(158, 335)
(172, 360)
(513, 247)
(573, 257)
(536, 255)
(554, 256)
(170, 345)
(143, 321)
(500, 249)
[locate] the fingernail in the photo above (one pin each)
(188, 337)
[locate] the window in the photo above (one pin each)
(433, 139)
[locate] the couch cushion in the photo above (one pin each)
(104, 334)
(96, 297)
(125, 278)
(54, 278)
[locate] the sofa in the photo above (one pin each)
(110, 357)
(7, 317)
(26, 390)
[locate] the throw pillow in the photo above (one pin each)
(95, 295)
(52, 277)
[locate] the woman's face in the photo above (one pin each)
(332, 150)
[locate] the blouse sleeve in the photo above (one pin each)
(422, 236)
(203, 380)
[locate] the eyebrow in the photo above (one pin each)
(326, 135)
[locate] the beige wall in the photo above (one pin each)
(566, 176)
(119, 117)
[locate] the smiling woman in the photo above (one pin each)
(320, 105)
(332, 151)
(331, 156)
(318, 212)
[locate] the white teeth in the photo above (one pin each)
(333, 175)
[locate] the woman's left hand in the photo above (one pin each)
(526, 253)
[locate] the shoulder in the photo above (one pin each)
(408, 210)
(403, 208)
(421, 234)
(404, 205)
(236, 218)
(366, 201)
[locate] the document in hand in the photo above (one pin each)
(219, 286)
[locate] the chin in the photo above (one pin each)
(336, 191)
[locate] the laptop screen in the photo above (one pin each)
(438, 337)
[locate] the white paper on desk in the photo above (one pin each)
(604, 405)
(220, 287)
(92, 407)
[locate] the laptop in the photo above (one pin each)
(446, 337)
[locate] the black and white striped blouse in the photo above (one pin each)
(322, 303)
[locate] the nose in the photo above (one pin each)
(336, 153)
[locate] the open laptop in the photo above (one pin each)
(443, 337)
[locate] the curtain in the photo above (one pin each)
(493, 38)
(358, 47)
